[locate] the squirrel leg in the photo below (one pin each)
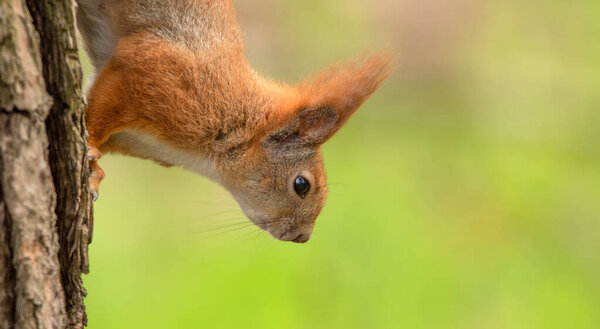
(97, 173)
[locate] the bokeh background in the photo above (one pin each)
(464, 194)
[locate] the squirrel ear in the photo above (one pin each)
(309, 128)
(315, 126)
(342, 88)
(329, 99)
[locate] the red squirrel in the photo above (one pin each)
(173, 86)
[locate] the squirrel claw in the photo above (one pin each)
(93, 154)
(96, 173)
(94, 195)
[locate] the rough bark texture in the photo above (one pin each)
(55, 22)
(45, 225)
(32, 296)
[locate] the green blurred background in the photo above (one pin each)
(464, 193)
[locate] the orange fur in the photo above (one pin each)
(186, 96)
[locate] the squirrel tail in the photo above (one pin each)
(99, 38)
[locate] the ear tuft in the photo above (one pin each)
(346, 86)
(324, 103)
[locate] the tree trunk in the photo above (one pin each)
(45, 212)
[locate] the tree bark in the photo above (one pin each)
(45, 212)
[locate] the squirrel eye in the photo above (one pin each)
(301, 185)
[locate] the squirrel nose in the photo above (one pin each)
(302, 238)
(296, 233)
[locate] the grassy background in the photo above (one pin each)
(465, 193)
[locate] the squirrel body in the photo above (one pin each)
(174, 86)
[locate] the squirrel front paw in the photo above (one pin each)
(96, 173)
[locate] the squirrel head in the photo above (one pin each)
(280, 183)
